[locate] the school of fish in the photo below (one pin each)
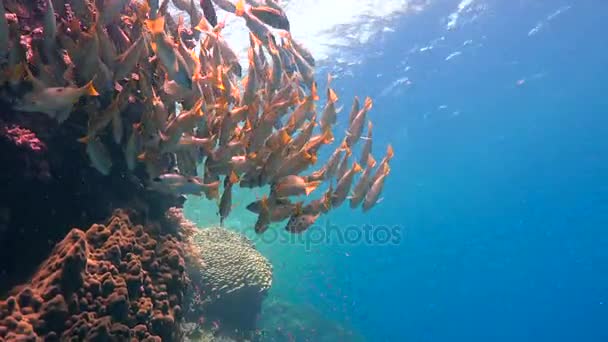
(173, 97)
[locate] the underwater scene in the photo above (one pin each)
(272, 170)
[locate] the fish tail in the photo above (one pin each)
(313, 91)
(332, 97)
(240, 8)
(368, 103)
(84, 140)
(311, 186)
(389, 152)
(156, 26)
(90, 89)
(357, 167)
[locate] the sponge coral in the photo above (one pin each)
(114, 282)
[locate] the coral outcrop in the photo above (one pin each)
(230, 280)
(113, 282)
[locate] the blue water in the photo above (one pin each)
(501, 194)
(498, 189)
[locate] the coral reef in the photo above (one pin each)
(230, 281)
(117, 281)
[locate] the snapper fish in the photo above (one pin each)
(226, 200)
(344, 185)
(99, 156)
(373, 195)
(293, 185)
(300, 222)
(177, 184)
(56, 102)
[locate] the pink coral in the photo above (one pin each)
(23, 137)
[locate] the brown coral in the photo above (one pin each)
(114, 282)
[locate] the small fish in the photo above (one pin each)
(172, 183)
(111, 10)
(49, 29)
(295, 164)
(271, 16)
(353, 111)
(56, 102)
(315, 142)
(261, 224)
(329, 116)
(383, 163)
(99, 156)
(333, 162)
(255, 25)
(343, 167)
(125, 62)
(344, 185)
(319, 206)
(293, 185)
(209, 11)
(356, 126)
(302, 51)
(277, 66)
(367, 147)
(250, 82)
(299, 223)
(256, 207)
(362, 186)
(305, 110)
(132, 148)
(226, 200)
(307, 71)
(373, 195)
(225, 5)
(303, 137)
(100, 120)
(165, 49)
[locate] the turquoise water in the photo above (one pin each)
(497, 201)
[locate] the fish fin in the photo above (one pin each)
(357, 167)
(141, 156)
(379, 200)
(84, 140)
(311, 186)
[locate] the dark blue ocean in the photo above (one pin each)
(493, 221)
(499, 180)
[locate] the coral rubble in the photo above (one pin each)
(117, 281)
